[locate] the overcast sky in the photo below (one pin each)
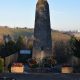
(64, 14)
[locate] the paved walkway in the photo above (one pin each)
(42, 76)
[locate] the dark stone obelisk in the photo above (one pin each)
(42, 44)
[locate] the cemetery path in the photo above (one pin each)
(42, 76)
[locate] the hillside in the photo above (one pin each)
(77, 35)
(15, 31)
(56, 35)
(59, 36)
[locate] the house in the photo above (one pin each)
(10, 59)
(17, 68)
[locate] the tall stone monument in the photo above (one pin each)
(42, 44)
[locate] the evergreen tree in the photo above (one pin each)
(10, 47)
(75, 46)
(19, 43)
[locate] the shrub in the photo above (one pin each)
(1, 65)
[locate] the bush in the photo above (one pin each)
(32, 63)
(35, 66)
(1, 65)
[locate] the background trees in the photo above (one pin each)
(10, 47)
(75, 46)
(19, 43)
